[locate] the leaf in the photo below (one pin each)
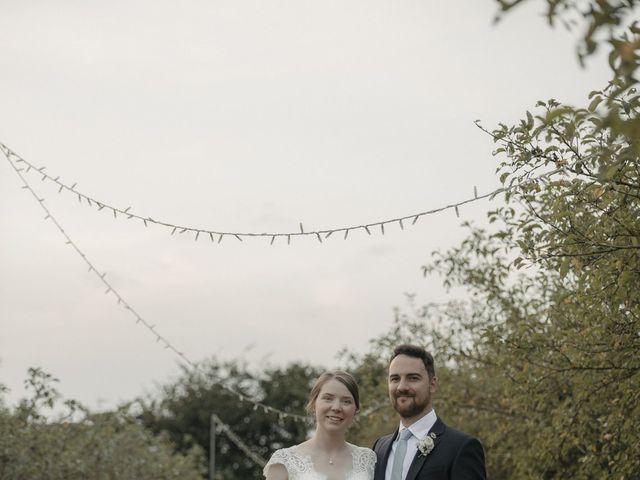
(594, 104)
(624, 277)
(609, 172)
(564, 267)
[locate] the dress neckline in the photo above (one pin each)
(306, 457)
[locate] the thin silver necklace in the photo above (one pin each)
(331, 459)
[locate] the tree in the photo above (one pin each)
(183, 411)
(611, 24)
(539, 360)
(83, 445)
(551, 350)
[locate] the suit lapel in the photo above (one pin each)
(419, 460)
(385, 450)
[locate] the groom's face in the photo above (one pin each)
(410, 387)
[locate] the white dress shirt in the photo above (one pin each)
(419, 430)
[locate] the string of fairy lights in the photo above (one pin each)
(21, 167)
(9, 154)
(246, 449)
(216, 236)
(222, 426)
(139, 319)
(110, 289)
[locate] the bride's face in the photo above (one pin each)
(335, 407)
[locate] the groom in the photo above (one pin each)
(423, 447)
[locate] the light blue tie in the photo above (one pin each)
(398, 457)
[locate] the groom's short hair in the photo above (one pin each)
(416, 352)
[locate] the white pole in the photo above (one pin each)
(212, 447)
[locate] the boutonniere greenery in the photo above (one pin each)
(426, 444)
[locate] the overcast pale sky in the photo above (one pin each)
(250, 116)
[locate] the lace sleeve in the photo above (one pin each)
(278, 457)
(366, 461)
(295, 464)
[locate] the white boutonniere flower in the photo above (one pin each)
(426, 444)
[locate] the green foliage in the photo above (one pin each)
(540, 360)
(545, 349)
(608, 24)
(82, 445)
(183, 411)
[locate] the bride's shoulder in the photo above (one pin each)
(363, 454)
(284, 454)
(362, 450)
(291, 457)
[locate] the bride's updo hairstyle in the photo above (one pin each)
(344, 378)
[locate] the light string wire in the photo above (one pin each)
(222, 426)
(218, 235)
(139, 319)
(246, 449)
(160, 338)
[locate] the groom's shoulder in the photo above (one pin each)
(458, 436)
(383, 440)
(387, 436)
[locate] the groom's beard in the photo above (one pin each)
(410, 407)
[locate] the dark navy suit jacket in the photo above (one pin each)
(455, 456)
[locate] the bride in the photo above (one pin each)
(334, 401)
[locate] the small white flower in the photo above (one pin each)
(426, 444)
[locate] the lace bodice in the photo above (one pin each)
(300, 467)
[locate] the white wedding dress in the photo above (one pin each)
(300, 467)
